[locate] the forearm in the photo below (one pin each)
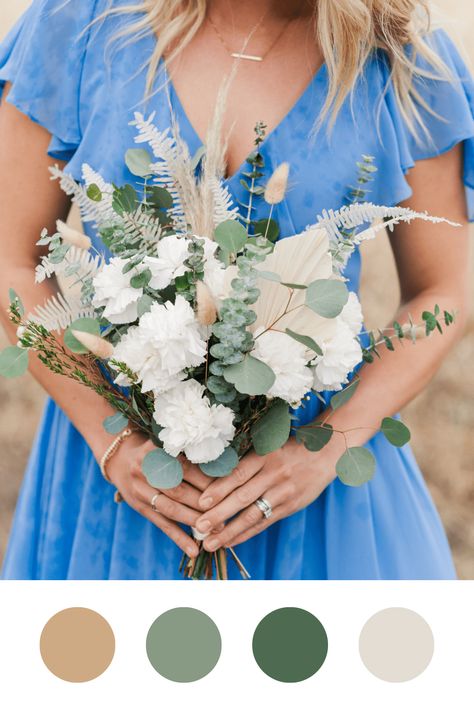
(394, 379)
(83, 406)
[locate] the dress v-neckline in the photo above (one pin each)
(176, 103)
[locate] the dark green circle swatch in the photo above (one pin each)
(290, 644)
(183, 644)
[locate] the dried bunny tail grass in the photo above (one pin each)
(95, 344)
(206, 311)
(277, 185)
(72, 236)
(347, 31)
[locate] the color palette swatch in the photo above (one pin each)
(289, 644)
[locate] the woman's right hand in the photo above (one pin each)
(174, 506)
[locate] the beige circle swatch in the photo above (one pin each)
(396, 644)
(77, 644)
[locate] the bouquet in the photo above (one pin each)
(200, 326)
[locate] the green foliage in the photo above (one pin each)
(138, 161)
(251, 376)
(272, 430)
(268, 228)
(356, 466)
(159, 198)
(343, 396)
(140, 281)
(16, 302)
(395, 431)
(124, 199)
(314, 437)
(230, 236)
(13, 362)
(223, 465)
(305, 340)
(161, 470)
(94, 193)
(327, 297)
(115, 423)
(85, 325)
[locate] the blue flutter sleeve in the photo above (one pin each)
(449, 121)
(42, 57)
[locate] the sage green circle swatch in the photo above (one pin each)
(396, 644)
(290, 644)
(77, 644)
(183, 644)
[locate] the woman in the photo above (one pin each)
(344, 69)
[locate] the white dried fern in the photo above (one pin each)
(224, 208)
(90, 211)
(144, 229)
(104, 207)
(350, 217)
(88, 265)
(59, 311)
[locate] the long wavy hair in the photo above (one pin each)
(347, 31)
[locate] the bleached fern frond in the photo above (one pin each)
(87, 265)
(142, 230)
(350, 217)
(90, 211)
(92, 177)
(59, 311)
(224, 208)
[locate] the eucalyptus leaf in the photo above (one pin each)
(161, 470)
(251, 376)
(305, 340)
(13, 362)
(395, 431)
(141, 280)
(86, 325)
(343, 396)
(197, 157)
(290, 285)
(144, 304)
(138, 161)
(223, 465)
(269, 276)
(314, 438)
(327, 297)
(115, 423)
(160, 198)
(268, 228)
(356, 466)
(231, 236)
(124, 199)
(94, 193)
(272, 430)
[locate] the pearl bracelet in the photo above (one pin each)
(109, 452)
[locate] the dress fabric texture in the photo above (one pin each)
(84, 92)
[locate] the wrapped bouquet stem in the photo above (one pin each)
(198, 323)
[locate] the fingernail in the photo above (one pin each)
(212, 544)
(203, 526)
(206, 502)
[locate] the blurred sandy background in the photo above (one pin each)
(441, 419)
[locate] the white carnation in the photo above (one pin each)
(191, 424)
(166, 341)
(351, 314)
(287, 358)
(113, 290)
(340, 356)
(172, 252)
(214, 271)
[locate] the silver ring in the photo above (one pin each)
(153, 501)
(264, 506)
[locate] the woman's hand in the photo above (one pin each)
(289, 479)
(174, 506)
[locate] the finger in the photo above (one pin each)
(251, 518)
(219, 489)
(255, 530)
(242, 498)
(195, 476)
(186, 494)
(172, 530)
(173, 510)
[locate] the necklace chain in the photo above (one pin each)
(243, 55)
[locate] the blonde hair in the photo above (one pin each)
(348, 31)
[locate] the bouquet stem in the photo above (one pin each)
(210, 566)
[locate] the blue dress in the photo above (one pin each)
(66, 524)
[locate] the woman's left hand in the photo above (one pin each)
(289, 479)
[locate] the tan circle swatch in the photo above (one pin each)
(77, 644)
(396, 644)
